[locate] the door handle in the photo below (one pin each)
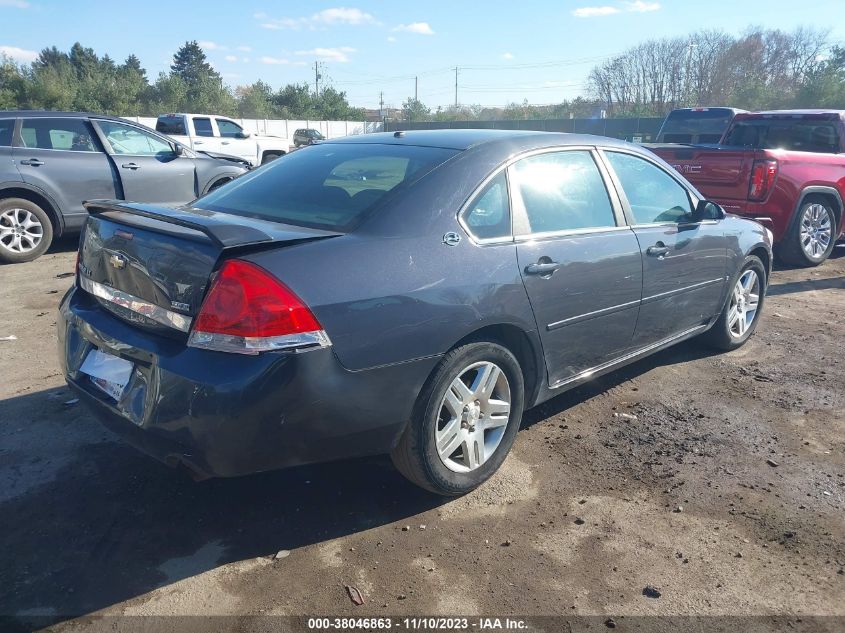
(132, 166)
(546, 268)
(32, 162)
(197, 142)
(658, 250)
(225, 143)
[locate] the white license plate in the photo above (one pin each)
(108, 372)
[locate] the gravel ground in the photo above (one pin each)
(719, 480)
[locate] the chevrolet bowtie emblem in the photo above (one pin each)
(117, 261)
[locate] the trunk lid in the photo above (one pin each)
(152, 265)
(722, 173)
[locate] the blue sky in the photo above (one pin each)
(541, 50)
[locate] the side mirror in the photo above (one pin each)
(707, 210)
(243, 135)
(178, 149)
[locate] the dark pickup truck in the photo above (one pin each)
(785, 169)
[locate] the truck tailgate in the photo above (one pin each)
(722, 173)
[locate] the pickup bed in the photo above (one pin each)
(785, 169)
(213, 133)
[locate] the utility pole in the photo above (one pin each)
(416, 88)
(317, 78)
(381, 105)
(456, 87)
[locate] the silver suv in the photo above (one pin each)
(51, 162)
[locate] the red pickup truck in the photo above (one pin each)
(785, 169)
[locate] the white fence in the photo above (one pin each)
(285, 128)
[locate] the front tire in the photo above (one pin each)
(742, 310)
(465, 420)
(813, 234)
(269, 157)
(25, 231)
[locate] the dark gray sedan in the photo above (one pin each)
(407, 293)
(51, 162)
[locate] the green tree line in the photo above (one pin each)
(81, 80)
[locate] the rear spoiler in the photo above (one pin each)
(223, 229)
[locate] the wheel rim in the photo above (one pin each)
(20, 230)
(816, 230)
(745, 301)
(473, 417)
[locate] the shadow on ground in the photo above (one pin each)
(112, 524)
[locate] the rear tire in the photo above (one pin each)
(269, 157)
(465, 420)
(736, 323)
(26, 231)
(813, 234)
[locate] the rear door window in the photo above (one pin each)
(202, 127)
(330, 186)
(562, 191)
(7, 126)
(74, 135)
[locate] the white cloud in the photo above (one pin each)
(420, 28)
(18, 54)
(593, 12)
(245, 49)
(231, 58)
(17, 4)
(391, 39)
(507, 55)
(343, 16)
(631, 6)
(326, 17)
(211, 46)
(274, 61)
(339, 54)
(638, 6)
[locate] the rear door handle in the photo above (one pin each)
(132, 166)
(658, 250)
(542, 269)
(225, 143)
(32, 162)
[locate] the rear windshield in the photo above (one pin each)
(329, 186)
(695, 126)
(171, 125)
(800, 136)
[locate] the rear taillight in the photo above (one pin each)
(247, 311)
(763, 175)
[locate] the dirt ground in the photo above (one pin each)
(717, 479)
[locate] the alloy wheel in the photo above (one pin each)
(20, 230)
(745, 300)
(816, 230)
(473, 417)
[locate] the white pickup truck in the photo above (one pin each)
(212, 133)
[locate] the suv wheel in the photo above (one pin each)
(25, 231)
(465, 421)
(269, 156)
(813, 234)
(742, 310)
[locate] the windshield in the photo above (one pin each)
(695, 126)
(795, 135)
(329, 186)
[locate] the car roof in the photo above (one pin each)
(40, 114)
(786, 113)
(463, 139)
